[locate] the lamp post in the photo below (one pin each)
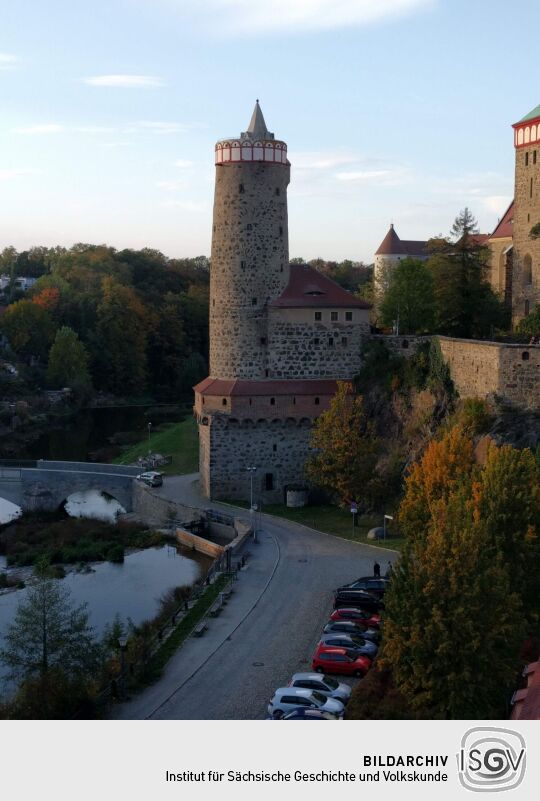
(251, 471)
(122, 642)
(386, 517)
(149, 432)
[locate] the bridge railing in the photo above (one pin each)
(88, 467)
(10, 473)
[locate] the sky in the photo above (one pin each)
(393, 110)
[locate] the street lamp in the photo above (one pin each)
(122, 642)
(149, 431)
(386, 517)
(251, 471)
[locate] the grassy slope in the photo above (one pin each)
(179, 440)
(332, 520)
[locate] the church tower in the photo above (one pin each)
(526, 214)
(250, 248)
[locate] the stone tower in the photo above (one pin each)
(526, 214)
(280, 335)
(250, 248)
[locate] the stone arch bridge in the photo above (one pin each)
(46, 485)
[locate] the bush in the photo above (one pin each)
(376, 698)
(116, 553)
(475, 416)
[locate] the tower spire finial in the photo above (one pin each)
(257, 126)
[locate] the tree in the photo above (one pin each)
(49, 647)
(445, 464)
(453, 622)
(409, 298)
(530, 325)
(29, 328)
(68, 362)
(465, 304)
(346, 448)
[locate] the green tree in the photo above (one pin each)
(68, 362)
(29, 329)
(452, 619)
(409, 298)
(530, 325)
(346, 448)
(122, 328)
(49, 633)
(465, 304)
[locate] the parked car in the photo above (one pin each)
(326, 685)
(152, 478)
(351, 627)
(371, 619)
(328, 659)
(310, 714)
(359, 644)
(287, 699)
(376, 586)
(352, 597)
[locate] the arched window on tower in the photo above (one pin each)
(527, 270)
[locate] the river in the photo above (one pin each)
(131, 590)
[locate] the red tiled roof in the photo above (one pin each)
(309, 288)
(527, 700)
(479, 239)
(505, 225)
(392, 245)
(241, 387)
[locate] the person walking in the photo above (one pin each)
(388, 570)
(376, 569)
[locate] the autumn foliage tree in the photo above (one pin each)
(466, 586)
(345, 448)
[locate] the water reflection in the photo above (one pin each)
(131, 590)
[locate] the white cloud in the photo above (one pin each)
(182, 163)
(272, 16)
(185, 205)
(46, 128)
(125, 81)
(8, 61)
(172, 186)
(7, 175)
(389, 177)
(161, 126)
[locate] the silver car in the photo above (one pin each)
(288, 698)
(326, 685)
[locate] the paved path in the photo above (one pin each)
(266, 632)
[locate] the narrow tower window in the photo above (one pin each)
(278, 191)
(281, 230)
(249, 226)
(331, 342)
(272, 401)
(530, 190)
(534, 157)
(263, 340)
(343, 340)
(253, 301)
(526, 159)
(317, 401)
(224, 401)
(241, 189)
(274, 447)
(243, 265)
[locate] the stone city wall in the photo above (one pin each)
(300, 347)
(161, 511)
(484, 369)
(402, 345)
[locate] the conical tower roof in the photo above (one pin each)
(391, 244)
(257, 126)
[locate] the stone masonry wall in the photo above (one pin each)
(483, 369)
(250, 264)
(300, 347)
(526, 293)
(278, 448)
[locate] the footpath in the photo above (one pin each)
(195, 652)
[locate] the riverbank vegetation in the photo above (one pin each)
(66, 540)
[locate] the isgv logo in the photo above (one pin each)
(491, 759)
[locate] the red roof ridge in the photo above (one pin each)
(309, 288)
(266, 386)
(504, 227)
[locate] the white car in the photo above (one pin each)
(286, 699)
(152, 478)
(326, 685)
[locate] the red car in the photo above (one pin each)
(358, 615)
(328, 659)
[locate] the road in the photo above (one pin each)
(267, 632)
